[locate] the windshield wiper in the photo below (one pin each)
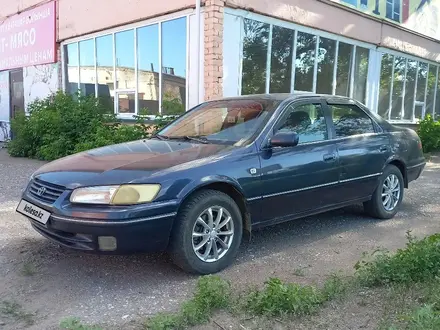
(199, 139)
(160, 137)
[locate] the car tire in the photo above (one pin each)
(383, 207)
(189, 233)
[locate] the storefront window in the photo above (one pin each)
(72, 70)
(173, 66)
(410, 84)
(326, 64)
(385, 85)
(421, 90)
(107, 67)
(281, 60)
(432, 74)
(345, 55)
(305, 61)
(104, 70)
(360, 74)
(148, 69)
(87, 67)
(255, 43)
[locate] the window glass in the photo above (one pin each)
(72, 71)
(326, 64)
(345, 54)
(125, 75)
(431, 89)
(87, 66)
(437, 100)
(148, 69)
(385, 85)
(307, 121)
(126, 102)
(104, 68)
(393, 10)
(360, 74)
(305, 61)
(281, 60)
(421, 88)
(410, 85)
(255, 43)
(223, 121)
(174, 66)
(350, 120)
(399, 76)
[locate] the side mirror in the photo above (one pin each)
(284, 140)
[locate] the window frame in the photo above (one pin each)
(134, 27)
(376, 128)
(297, 102)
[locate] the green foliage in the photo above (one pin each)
(429, 133)
(72, 323)
(419, 261)
(15, 311)
(63, 124)
(212, 293)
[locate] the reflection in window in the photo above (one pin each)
(431, 89)
(437, 100)
(125, 75)
(126, 102)
(104, 68)
(148, 68)
(326, 63)
(281, 60)
(360, 74)
(87, 66)
(307, 121)
(72, 72)
(174, 66)
(410, 85)
(385, 85)
(255, 43)
(421, 88)
(399, 76)
(345, 54)
(350, 120)
(305, 61)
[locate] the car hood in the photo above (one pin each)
(126, 162)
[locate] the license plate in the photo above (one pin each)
(33, 212)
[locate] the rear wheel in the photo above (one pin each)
(207, 233)
(388, 195)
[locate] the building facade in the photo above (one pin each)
(168, 56)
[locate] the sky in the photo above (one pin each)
(173, 48)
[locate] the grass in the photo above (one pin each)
(73, 323)
(411, 276)
(15, 311)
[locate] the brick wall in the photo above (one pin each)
(213, 46)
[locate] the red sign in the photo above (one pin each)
(29, 38)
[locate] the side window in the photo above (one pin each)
(307, 120)
(350, 120)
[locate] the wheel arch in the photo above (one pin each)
(230, 188)
(400, 164)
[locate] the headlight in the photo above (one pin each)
(116, 195)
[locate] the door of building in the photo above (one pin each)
(17, 91)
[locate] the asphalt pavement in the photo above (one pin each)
(53, 283)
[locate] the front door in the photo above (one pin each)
(298, 179)
(363, 150)
(17, 91)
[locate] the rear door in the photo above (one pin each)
(362, 147)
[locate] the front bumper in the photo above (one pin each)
(99, 230)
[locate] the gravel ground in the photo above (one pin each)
(53, 283)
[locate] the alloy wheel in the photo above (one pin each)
(390, 192)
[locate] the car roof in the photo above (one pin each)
(292, 96)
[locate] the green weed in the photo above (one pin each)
(15, 310)
(73, 323)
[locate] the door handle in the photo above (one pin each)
(383, 148)
(329, 157)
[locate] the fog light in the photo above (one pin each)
(107, 243)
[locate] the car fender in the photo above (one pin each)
(207, 180)
(401, 160)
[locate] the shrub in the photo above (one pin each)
(429, 133)
(63, 124)
(419, 261)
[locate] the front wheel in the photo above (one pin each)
(388, 195)
(207, 233)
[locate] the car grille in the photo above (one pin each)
(44, 191)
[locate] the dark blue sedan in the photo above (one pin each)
(221, 170)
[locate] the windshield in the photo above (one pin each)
(234, 121)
